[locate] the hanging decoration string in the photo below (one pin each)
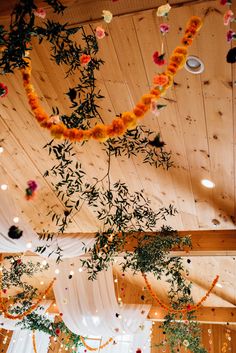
(6, 314)
(128, 120)
(89, 348)
(189, 307)
(34, 342)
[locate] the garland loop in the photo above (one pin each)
(6, 314)
(128, 120)
(89, 348)
(189, 307)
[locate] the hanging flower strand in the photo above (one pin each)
(189, 307)
(128, 120)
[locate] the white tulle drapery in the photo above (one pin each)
(71, 246)
(91, 308)
(21, 341)
(124, 343)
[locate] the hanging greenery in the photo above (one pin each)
(42, 323)
(15, 274)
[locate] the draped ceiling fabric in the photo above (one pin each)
(71, 246)
(21, 341)
(91, 308)
(125, 343)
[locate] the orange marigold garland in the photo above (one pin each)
(6, 314)
(89, 348)
(189, 307)
(128, 120)
(34, 342)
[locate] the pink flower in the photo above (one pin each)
(231, 35)
(158, 59)
(3, 90)
(32, 185)
(228, 17)
(100, 33)
(164, 28)
(40, 12)
(85, 59)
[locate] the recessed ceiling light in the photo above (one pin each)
(4, 187)
(219, 285)
(194, 65)
(1, 149)
(207, 183)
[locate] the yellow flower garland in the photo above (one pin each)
(95, 349)
(128, 120)
(28, 311)
(189, 307)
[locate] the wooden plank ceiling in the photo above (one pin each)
(197, 125)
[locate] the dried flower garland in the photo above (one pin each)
(128, 120)
(6, 314)
(184, 310)
(89, 348)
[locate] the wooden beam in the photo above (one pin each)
(204, 315)
(204, 242)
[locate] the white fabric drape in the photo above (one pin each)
(91, 308)
(21, 341)
(126, 343)
(71, 246)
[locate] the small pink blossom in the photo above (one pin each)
(100, 33)
(32, 185)
(164, 28)
(228, 17)
(40, 12)
(230, 35)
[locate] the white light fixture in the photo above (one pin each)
(44, 262)
(29, 245)
(4, 187)
(42, 283)
(16, 219)
(80, 269)
(208, 183)
(57, 271)
(194, 65)
(1, 149)
(219, 285)
(72, 273)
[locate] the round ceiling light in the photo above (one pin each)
(207, 183)
(194, 65)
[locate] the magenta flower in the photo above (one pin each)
(32, 185)
(164, 28)
(3, 90)
(158, 58)
(230, 35)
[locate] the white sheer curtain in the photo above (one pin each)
(21, 341)
(125, 343)
(91, 308)
(71, 246)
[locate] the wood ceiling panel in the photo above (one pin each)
(187, 125)
(217, 93)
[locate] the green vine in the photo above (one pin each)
(42, 323)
